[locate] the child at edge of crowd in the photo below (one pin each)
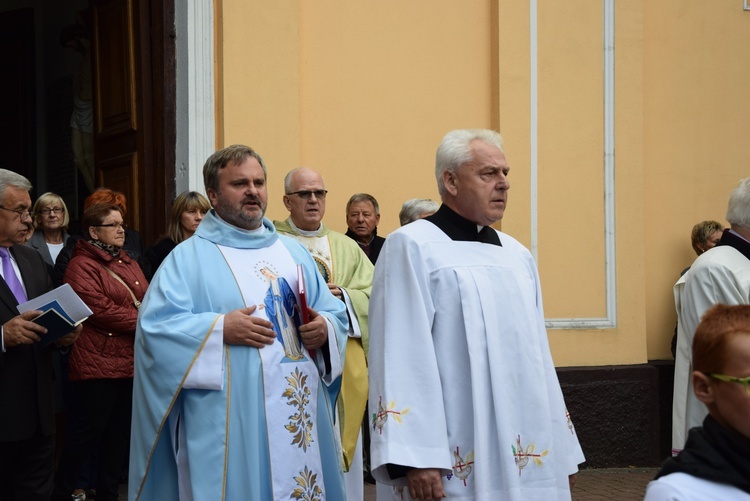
(715, 463)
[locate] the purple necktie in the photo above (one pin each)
(10, 276)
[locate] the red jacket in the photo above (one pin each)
(104, 350)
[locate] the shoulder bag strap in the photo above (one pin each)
(117, 277)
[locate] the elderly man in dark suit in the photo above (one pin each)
(26, 403)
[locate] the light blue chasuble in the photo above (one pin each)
(242, 439)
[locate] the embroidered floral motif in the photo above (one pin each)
(308, 489)
(381, 416)
(522, 456)
(300, 423)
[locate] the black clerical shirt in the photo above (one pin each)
(461, 229)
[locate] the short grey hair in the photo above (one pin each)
(414, 208)
(738, 208)
(455, 150)
(10, 178)
(363, 197)
(288, 180)
(290, 175)
(236, 153)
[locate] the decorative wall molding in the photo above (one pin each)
(196, 103)
(608, 60)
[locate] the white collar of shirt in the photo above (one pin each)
(305, 233)
(20, 279)
(15, 267)
(738, 235)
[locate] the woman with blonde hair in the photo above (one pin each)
(51, 221)
(705, 235)
(188, 211)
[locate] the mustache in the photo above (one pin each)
(251, 199)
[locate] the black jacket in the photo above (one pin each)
(26, 375)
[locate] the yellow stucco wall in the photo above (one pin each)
(363, 92)
(696, 122)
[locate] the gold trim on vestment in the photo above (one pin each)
(179, 388)
(226, 431)
(169, 407)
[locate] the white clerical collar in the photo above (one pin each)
(257, 231)
(738, 235)
(305, 233)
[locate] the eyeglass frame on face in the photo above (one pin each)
(744, 381)
(28, 213)
(307, 194)
(48, 211)
(124, 226)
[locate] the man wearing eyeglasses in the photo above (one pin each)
(348, 272)
(27, 427)
(719, 275)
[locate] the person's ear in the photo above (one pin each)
(702, 387)
(450, 181)
(92, 233)
(287, 202)
(212, 196)
(377, 219)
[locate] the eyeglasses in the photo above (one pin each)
(305, 194)
(47, 212)
(22, 213)
(744, 381)
(112, 225)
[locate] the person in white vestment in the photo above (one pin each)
(233, 395)
(719, 275)
(715, 463)
(465, 399)
(348, 272)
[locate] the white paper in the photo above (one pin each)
(65, 297)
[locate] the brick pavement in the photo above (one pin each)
(615, 484)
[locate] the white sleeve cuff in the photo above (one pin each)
(207, 372)
(354, 330)
(334, 352)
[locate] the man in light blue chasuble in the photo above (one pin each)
(233, 398)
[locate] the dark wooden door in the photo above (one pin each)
(134, 107)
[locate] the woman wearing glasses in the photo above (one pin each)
(133, 242)
(51, 223)
(101, 363)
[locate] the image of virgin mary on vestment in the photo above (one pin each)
(280, 303)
